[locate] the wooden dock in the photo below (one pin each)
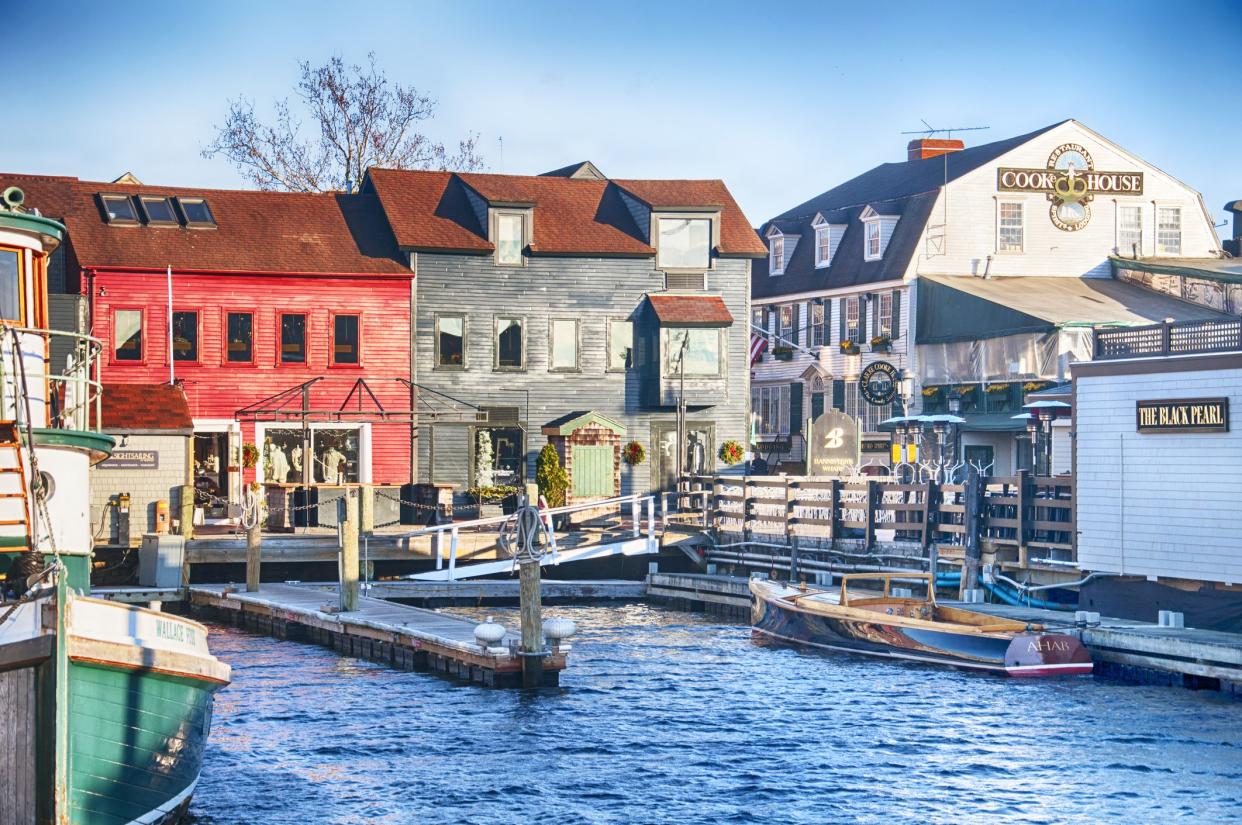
(478, 592)
(410, 638)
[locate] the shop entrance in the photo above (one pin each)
(211, 473)
(700, 451)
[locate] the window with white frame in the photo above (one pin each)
(1130, 230)
(823, 245)
(563, 348)
(785, 325)
(1169, 230)
(884, 314)
(1009, 233)
(817, 323)
(869, 416)
(510, 238)
(776, 255)
(685, 243)
(853, 311)
(873, 240)
(770, 404)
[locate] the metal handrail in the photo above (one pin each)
(81, 373)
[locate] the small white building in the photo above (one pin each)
(979, 271)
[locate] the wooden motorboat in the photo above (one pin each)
(877, 623)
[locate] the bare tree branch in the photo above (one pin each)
(363, 120)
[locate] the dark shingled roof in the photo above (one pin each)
(908, 189)
(145, 407)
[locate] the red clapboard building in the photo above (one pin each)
(281, 303)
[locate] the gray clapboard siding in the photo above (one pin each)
(17, 756)
(592, 290)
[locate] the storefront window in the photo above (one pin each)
(241, 337)
(185, 336)
(345, 339)
(10, 284)
(293, 339)
(702, 351)
(127, 334)
(335, 452)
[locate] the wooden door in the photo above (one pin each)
(593, 471)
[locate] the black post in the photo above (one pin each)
(972, 499)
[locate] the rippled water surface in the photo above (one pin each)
(668, 717)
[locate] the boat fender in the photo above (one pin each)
(890, 611)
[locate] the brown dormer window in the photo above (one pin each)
(158, 211)
(197, 213)
(119, 210)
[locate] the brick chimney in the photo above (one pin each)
(931, 147)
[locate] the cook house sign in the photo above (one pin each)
(1071, 182)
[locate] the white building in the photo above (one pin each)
(985, 268)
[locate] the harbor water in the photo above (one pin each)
(671, 717)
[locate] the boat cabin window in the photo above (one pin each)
(185, 336)
(127, 335)
(293, 339)
(10, 284)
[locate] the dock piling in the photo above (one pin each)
(254, 553)
(349, 552)
(532, 624)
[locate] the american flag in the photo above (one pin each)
(758, 343)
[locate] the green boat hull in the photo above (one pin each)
(136, 741)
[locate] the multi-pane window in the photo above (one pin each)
(853, 309)
(620, 345)
(185, 336)
(510, 344)
(873, 240)
(770, 404)
(564, 344)
(817, 323)
(692, 350)
(450, 340)
(776, 251)
(1130, 230)
(1010, 231)
(785, 325)
(823, 245)
(345, 339)
(869, 416)
(685, 243)
(884, 314)
(293, 339)
(10, 284)
(127, 335)
(240, 346)
(509, 238)
(1169, 230)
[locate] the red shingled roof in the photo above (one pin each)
(705, 310)
(444, 211)
(256, 231)
(145, 407)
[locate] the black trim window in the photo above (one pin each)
(158, 211)
(185, 336)
(293, 339)
(510, 344)
(119, 210)
(450, 340)
(197, 213)
(127, 334)
(345, 340)
(240, 337)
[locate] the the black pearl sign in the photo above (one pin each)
(878, 383)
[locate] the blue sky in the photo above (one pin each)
(781, 101)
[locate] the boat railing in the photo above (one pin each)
(30, 385)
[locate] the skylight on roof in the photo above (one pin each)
(158, 211)
(197, 213)
(119, 209)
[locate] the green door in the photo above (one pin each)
(593, 471)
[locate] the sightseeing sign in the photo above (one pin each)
(1071, 182)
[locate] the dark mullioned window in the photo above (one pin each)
(509, 344)
(345, 339)
(450, 340)
(185, 336)
(241, 337)
(127, 334)
(293, 339)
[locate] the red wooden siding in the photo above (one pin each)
(216, 388)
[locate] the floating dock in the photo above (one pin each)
(1123, 649)
(479, 592)
(405, 637)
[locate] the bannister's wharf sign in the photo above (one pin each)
(1183, 415)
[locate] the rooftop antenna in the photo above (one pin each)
(501, 141)
(948, 133)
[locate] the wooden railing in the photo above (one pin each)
(1023, 520)
(1185, 338)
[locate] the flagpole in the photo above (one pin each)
(172, 370)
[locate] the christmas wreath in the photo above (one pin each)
(634, 453)
(731, 452)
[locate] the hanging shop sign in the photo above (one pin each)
(833, 444)
(1183, 415)
(1071, 182)
(132, 460)
(878, 383)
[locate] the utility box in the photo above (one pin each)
(159, 560)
